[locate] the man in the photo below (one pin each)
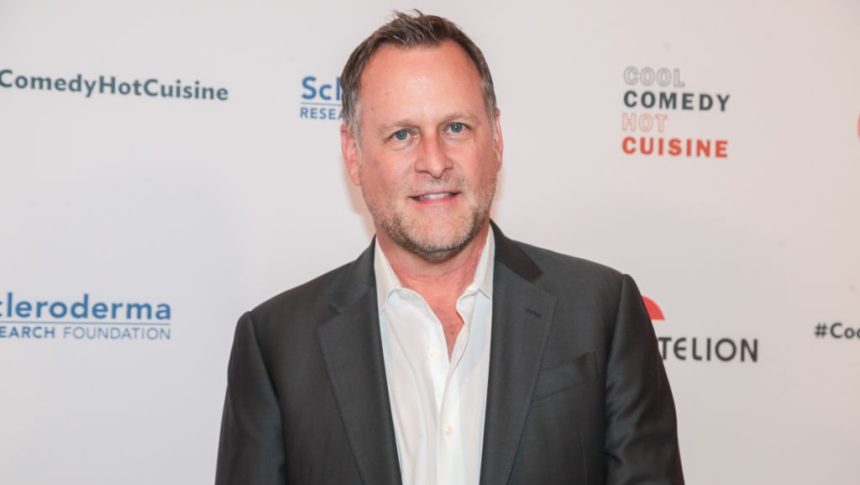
(446, 353)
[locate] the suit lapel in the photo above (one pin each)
(352, 350)
(522, 313)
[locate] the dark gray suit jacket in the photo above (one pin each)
(577, 392)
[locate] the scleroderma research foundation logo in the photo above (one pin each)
(320, 99)
(82, 318)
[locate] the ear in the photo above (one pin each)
(349, 149)
(499, 142)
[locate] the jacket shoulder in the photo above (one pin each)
(559, 269)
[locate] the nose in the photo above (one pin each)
(432, 157)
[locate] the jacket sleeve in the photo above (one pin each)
(251, 450)
(641, 435)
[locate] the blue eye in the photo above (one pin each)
(401, 134)
(456, 127)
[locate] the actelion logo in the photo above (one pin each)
(151, 87)
(687, 348)
(654, 310)
(83, 318)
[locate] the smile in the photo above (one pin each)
(434, 196)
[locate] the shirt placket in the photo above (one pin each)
(451, 454)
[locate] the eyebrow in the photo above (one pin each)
(404, 123)
(462, 115)
(407, 123)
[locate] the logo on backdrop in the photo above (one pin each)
(651, 100)
(83, 318)
(837, 331)
(102, 85)
(320, 99)
(654, 310)
(698, 348)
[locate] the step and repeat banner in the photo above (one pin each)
(165, 166)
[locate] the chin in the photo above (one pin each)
(440, 241)
(442, 233)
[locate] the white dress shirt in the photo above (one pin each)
(437, 404)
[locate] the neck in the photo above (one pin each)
(445, 280)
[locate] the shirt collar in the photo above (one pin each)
(387, 281)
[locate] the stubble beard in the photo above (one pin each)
(410, 236)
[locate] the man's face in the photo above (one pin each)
(428, 155)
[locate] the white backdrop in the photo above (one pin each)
(205, 207)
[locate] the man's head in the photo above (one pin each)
(409, 31)
(421, 134)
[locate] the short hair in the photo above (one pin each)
(406, 31)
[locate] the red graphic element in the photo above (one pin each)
(654, 311)
(675, 147)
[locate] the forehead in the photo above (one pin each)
(436, 76)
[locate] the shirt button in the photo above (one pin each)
(449, 431)
(434, 354)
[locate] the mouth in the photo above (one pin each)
(434, 196)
